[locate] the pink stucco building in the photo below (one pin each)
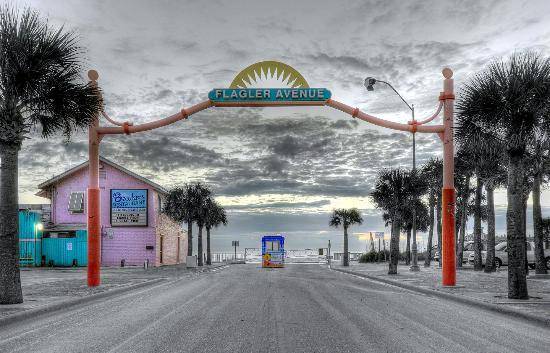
(133, 229)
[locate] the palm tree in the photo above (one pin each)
(215, 216)
(510, 101)
(486, 156)
(40, 85)
(201, 195)
(463, 173)
(493, 173)
(539, 163)
(180, 207)
(345, 218)
(392, 194)
(422, 223)
(432, 173)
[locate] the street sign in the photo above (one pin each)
(268, 95)
(235, 243)
(379, 235)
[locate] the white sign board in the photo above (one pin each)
(379, 235)
(129, 207)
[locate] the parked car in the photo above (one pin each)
(468, 249)
(501, 255)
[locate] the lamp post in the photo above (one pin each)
(369, 85)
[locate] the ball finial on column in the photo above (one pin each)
(447, 73)
(93, 75)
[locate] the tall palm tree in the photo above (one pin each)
(201, 195)
(180, 207)
(215, 216)
(392, 194)
(493, 173)
(539, 164)
(40, 85)
(432, 173)
(422, 223)
(463, 174)
(510, 101)
(345, 218)
(486, 157)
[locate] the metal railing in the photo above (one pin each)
(353, 256)
(227, 257)
(254, 255)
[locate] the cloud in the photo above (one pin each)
(154, 60)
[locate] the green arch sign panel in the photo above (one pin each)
(269, 95)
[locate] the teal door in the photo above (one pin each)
(30, 237)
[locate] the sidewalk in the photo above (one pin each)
(44, 286)
(472, 287)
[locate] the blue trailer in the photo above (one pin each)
(273, 251)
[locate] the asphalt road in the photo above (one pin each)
(301, 308)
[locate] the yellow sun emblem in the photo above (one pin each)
(273, 70)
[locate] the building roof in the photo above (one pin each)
(79, 167)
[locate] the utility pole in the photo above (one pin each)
(235, 243)
(329, 262)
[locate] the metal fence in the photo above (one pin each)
(254, 255)
(226, 257)
(353, 256)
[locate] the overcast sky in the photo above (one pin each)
(278, 169)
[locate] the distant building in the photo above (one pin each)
(133, 229)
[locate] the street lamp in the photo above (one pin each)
(369, 85)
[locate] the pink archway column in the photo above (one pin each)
(445, 132)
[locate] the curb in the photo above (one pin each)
(64, 304)
(459, 299)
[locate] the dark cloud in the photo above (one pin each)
(164, 154)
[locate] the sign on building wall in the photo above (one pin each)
(129, 207)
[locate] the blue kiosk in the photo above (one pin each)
(273, 251)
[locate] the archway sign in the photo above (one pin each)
(294, 91)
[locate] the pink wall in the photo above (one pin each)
(117, 242)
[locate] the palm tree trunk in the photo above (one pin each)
(346, 251)
(463, 222)
(208, 254)
(200, 255)
(394, 246)
(189, 238)
(438, 213)
(10, 280)
(478, 265)
(515, 235)
(428, 258)
(540, 262)
(408, 258)
(490, 260)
